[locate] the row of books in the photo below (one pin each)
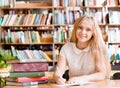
(97, 13)
(7, 3)
(27, 19)
(24, 36)
(114, 35)
(67, 3)
(78, 2)
(113, 2)
(70, 15)
(93, 2)
(30, 55)
(12, 3)
(66, 17)
(20, 36)
(62, 34)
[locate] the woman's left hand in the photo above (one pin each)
(76, 80)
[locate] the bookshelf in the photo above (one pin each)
(113, 25)
(27, 33)
(31, 34)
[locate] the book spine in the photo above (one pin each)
(34, 83)
(26, 67)
(9, 83)
(26, 74)
(31, 79)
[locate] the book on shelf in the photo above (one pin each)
(12, 3)
(39, 19)
(21, 19)
(26, 19)
(33, 19)
(11, 83)
(29, 67)
(29, 19)
(12, 20)
(26, 74)
(114, 17)
(44, 18)
(49, 19)
(36, 19)
(5, 19)
(8, 19)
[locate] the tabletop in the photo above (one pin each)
(100, 84)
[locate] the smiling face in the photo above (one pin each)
(84, 31)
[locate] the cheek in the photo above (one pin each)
(90, 35)
(77, 34)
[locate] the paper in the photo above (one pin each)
(75, 84)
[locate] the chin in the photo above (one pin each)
(83, 40)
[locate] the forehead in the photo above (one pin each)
(86, 23)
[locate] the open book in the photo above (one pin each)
(75, 84)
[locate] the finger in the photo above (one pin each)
(61, 81)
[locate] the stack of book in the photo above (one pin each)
(29, 73)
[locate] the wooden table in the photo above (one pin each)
(100, 84)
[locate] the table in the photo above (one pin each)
(100, 84)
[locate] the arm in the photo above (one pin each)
(59, 71)
(101, 73)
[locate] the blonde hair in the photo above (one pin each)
(97, 44)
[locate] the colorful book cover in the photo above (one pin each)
(30, 67)
(31, 79)
(26, 74)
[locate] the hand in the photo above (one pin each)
(58, 76)
(72, 80)
(75, 80)
(60, 80)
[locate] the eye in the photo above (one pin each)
(88, 29)
(80, 27)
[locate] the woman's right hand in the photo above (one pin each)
(59, 80)
(58, 76)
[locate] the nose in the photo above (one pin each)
(84, 31)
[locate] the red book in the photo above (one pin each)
(31, 79)
(30, 67)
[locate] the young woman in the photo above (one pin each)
(85, 55)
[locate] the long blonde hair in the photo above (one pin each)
(97, 44)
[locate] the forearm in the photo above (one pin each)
(91, 77)
(94, 77)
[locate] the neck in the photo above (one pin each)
(81, 45)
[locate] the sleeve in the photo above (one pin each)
(63, 51)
